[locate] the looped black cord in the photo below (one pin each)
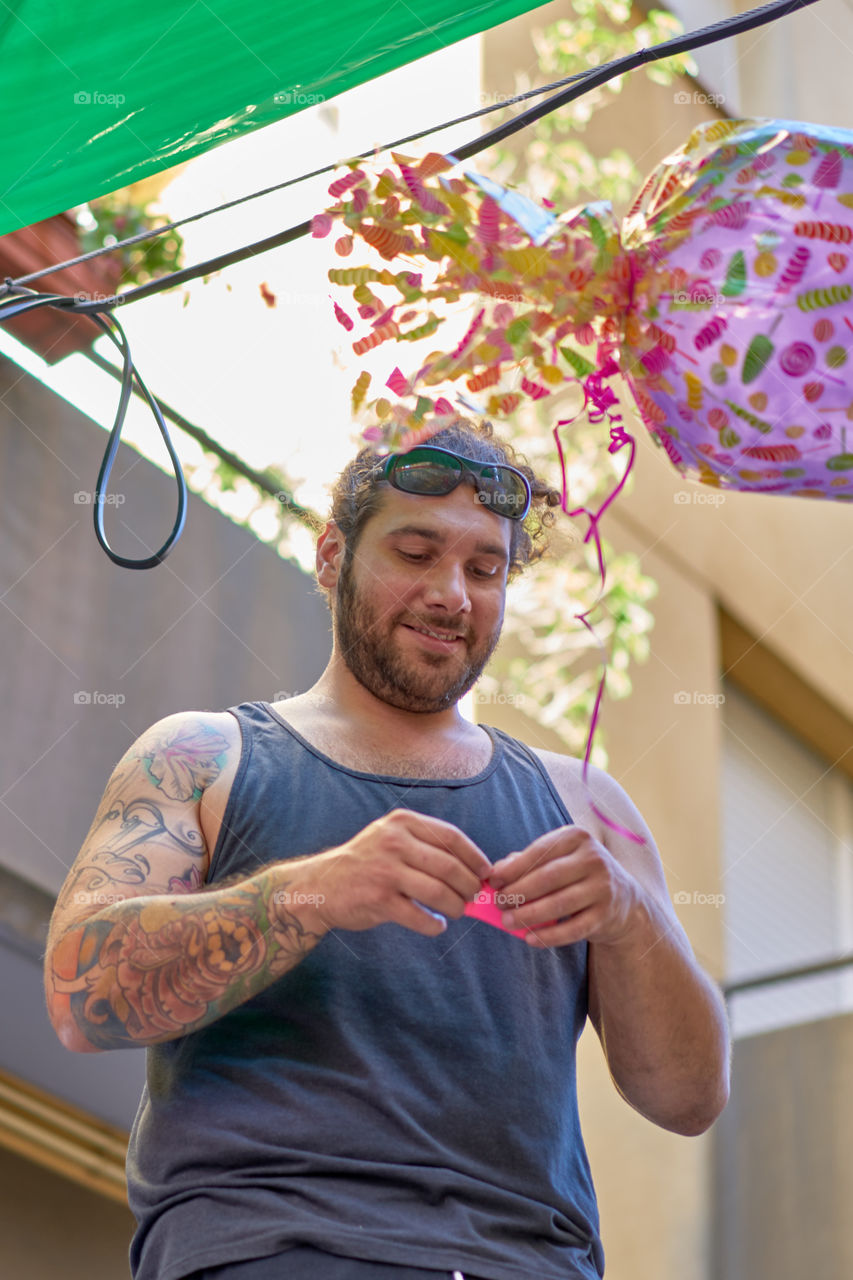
(111, 327)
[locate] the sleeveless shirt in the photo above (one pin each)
(394, 1097)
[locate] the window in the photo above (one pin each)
(787, 831)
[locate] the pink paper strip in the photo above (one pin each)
(484, 908)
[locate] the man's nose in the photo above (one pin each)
(446, 587)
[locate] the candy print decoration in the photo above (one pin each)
(775, 407)
(724, 298)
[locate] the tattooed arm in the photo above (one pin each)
(139, 952)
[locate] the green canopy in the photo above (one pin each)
(97, 95)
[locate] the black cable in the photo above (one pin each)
(587, 80)
(29, 302)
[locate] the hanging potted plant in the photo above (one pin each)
(54, 333)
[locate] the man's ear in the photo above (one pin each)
(331, 547)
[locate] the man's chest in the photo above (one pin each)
(399, 760)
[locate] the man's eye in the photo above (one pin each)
(483, 573)
(413, 555)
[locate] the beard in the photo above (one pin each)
(367, 643)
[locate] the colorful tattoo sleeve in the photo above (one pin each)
(139, 950)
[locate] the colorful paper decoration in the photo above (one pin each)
(725, 299)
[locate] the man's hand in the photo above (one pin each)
(403, 857)
(568, 887)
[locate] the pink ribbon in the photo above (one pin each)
(598, 401)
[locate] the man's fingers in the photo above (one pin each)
(433, 894)
(552, 844)
(443, 835)
(544, 879)
(414, 915)
(547, 908)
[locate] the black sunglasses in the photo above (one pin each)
(432, 471)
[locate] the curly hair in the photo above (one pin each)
(357, 493)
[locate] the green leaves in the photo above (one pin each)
(115, 217)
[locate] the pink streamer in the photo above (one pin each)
(341, 185)
(321, 225)
(419, 192)
(384, 318)
(469, 334)
(342, 317)
(397, 383)
(534, 389)
(598, 401)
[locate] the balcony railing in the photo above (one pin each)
(787, 975)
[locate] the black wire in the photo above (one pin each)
(9, 308)
(30, 302)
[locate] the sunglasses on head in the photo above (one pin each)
(432, 471)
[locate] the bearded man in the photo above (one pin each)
(348, 1077)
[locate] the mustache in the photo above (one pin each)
(439, 624)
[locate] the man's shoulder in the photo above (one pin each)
(579, 795)
(566, 774)
(183, 727)
(558, 765)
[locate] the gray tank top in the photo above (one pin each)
(394, 1097)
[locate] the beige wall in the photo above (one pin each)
(783, 568)
(787, 1135)
(52, 1228)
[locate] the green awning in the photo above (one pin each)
(97, 95)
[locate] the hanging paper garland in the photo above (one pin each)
(725, 299)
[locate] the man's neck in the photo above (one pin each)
(338, 697)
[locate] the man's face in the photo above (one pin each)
(423, 564)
